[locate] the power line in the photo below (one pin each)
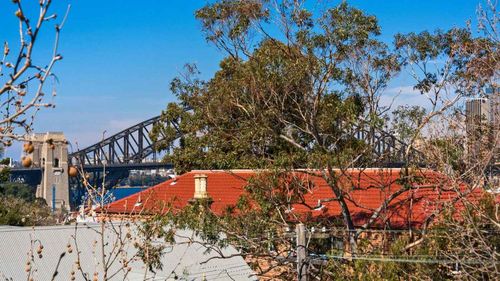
(217, 269)
(405, 260)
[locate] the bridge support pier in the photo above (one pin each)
(51, 155)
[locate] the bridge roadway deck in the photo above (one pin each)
(97, 168)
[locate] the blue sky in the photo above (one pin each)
(119, 56)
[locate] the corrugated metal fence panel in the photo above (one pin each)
(182, 260)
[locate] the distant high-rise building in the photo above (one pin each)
(483, 125)
(478, 113)
(493, 95)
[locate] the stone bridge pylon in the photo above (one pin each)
(49, 152)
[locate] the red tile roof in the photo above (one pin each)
(366, 191)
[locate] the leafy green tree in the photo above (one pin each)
(16, 211)
(284, 103)
(17, 190)
(4, 175)
(406, 120)
(286, 97)
(473, 245)
(18, 205)
(13, 189)
(149, 250)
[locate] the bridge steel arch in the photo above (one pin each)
(114, 157)
(130, 146)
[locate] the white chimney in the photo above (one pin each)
(200, 186)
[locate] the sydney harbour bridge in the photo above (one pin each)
(131, 149)
(110, 159)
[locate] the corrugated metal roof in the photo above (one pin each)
(182, 260)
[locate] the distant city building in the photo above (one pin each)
(162, 172)
(477, 112)
(483, 133)
(477, 118)
(494, 98)
(483, 124)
